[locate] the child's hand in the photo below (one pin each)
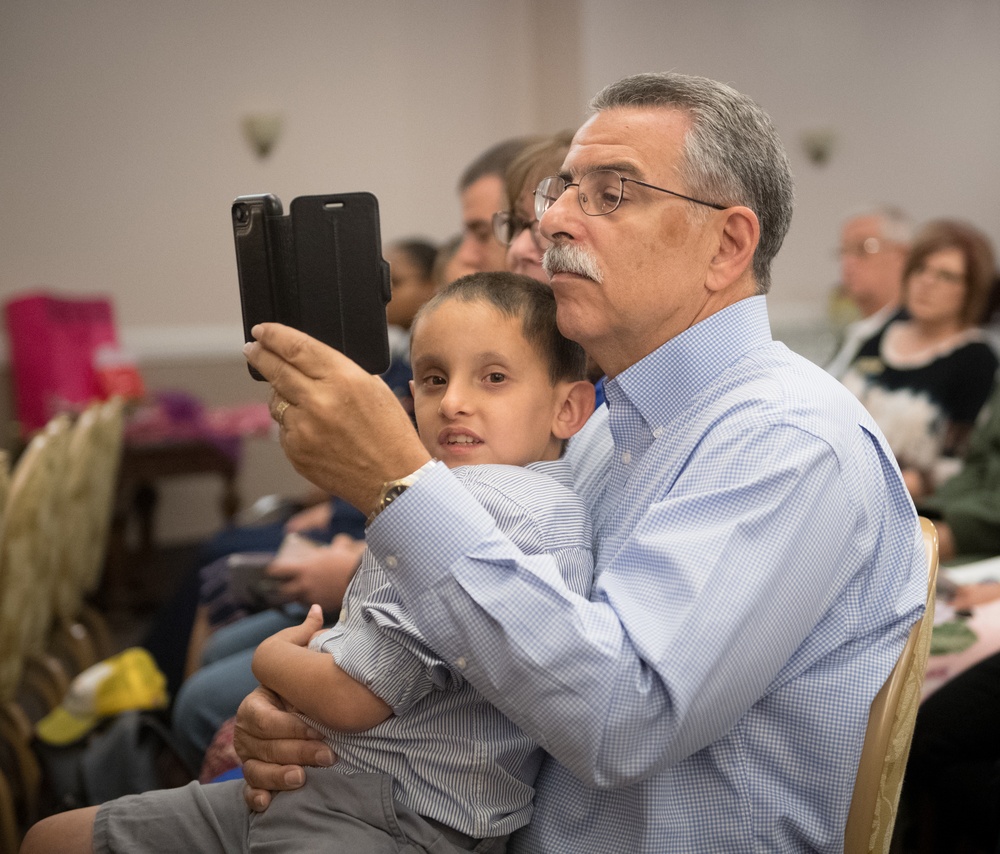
(301, 634)
(271, 658)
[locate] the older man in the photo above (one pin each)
(758, 563)
(873, 248)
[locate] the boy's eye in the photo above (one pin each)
(434, 380)
(496, 377)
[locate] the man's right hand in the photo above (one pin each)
(274, 745)
(316, 516)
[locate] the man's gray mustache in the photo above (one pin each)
(568, 258)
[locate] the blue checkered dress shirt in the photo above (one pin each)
(758, 567)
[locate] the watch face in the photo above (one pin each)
(394, 488)
(393, 492)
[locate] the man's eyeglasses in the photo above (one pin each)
(507, 226)
(600, 192)
(863, 249)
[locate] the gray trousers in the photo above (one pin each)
(332, 813)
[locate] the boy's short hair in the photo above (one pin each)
(517, 296)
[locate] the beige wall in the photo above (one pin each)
(121, 133)
(120, 145)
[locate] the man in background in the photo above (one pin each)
(481, 191)
(872, 251)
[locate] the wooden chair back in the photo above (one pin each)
(890, 729)
(4, 480)
(31, 680)
(88, 494)
(28, 553)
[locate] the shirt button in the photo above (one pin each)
(461, 663)
(626, 457)
(391, 562)
(657, 432)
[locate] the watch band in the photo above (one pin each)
(392, 489)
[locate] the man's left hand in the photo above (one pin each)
(274, 744)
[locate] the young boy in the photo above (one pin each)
(423, 760)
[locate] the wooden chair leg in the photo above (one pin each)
(44, 684)
(10, 832)
(71, 645)
(20, 765)
(99, 631)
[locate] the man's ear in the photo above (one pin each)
(738, 235)
(576, 407)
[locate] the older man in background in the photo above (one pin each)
(872, 252)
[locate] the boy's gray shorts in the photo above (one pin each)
(333, 812)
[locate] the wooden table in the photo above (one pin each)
(143, 465)
(984, 622)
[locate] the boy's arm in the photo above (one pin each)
(313, 682)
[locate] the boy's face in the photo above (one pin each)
(481, 392)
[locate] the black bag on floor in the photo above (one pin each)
(133, 752)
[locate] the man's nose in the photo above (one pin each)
(561, 221)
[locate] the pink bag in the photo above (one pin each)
(53, 344)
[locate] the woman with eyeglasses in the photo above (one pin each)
(925, 378)
(516, 227)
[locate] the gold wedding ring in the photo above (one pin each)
(279, 412)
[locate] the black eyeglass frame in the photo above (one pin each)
(543, 202)
(508, 226)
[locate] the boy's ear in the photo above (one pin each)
(576, 407)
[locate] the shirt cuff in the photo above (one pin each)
(426, 530)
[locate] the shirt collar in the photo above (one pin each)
(558, 470)
(665, 382)
(868, 326)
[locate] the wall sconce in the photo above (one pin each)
(818, 144)
(261, 131)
